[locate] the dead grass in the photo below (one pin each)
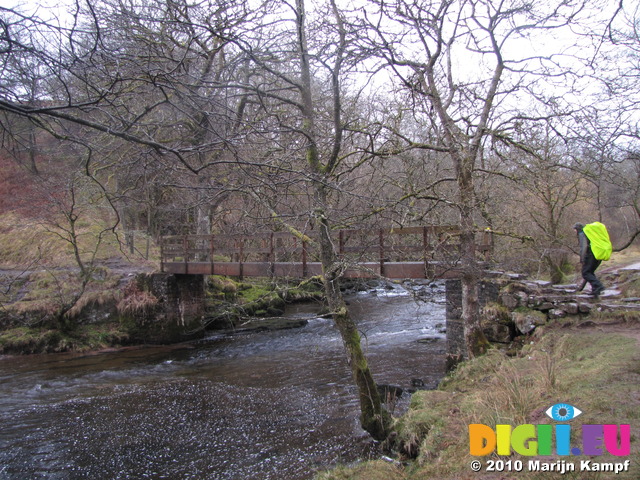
(45, 292)
(25, 243)
(593, 370)
(378, 470)
(628, 256)
(85, 338)
(631, 288)
(135, 301)
(42, 278)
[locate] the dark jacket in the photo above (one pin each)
(584, 244)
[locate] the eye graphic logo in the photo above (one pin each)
(562, 412)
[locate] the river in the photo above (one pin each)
(261, 405)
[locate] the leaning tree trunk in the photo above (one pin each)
(373, 416)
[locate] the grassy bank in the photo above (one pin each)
(594, 366)
(27, 340)
(47, 305)
(258, 297)
(111, 313)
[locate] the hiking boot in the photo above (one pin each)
(597, 291)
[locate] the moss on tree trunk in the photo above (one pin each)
(373, 416)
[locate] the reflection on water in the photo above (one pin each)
(265, 405)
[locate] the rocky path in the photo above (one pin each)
(617, 281)
(533, 303)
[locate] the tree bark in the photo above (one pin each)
(373, 416)
(475, 340)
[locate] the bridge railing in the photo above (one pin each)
(231, 248)
(375, 248)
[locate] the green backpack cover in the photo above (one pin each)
(598, 236)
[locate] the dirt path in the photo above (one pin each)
(632, 331)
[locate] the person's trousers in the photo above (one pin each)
(588, 271)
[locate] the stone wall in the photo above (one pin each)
(456, 348)
(510, 308)
(182, 296)
(532, 304)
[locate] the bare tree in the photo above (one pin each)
(254, 115)
(292, 88)
(463, 61)
(172, 80)
(547, 194)
(606, 135)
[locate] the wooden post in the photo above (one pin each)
(185, 248)
(381, 250)
(211, 252)
(425, 250)
(162, 240)
(487, 243)
(272, 251)
(304, 259)
(240, 267)
(272, 256)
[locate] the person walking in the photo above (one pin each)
(588, 261)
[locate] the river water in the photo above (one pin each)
(262, 405)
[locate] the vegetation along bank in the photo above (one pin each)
(589, 359)
(123, 310)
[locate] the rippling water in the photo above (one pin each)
(264, 405)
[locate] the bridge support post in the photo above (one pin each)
(212, 247)
(456, 346)
(188, 296)
(179, 308)
(305, 272)
(381, 251)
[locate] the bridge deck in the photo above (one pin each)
(300, 270)
(416, 252)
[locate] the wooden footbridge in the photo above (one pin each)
(415, 252)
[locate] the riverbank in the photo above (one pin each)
(589, 362)
(269, 405)
(593, 367)
(116, 310)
